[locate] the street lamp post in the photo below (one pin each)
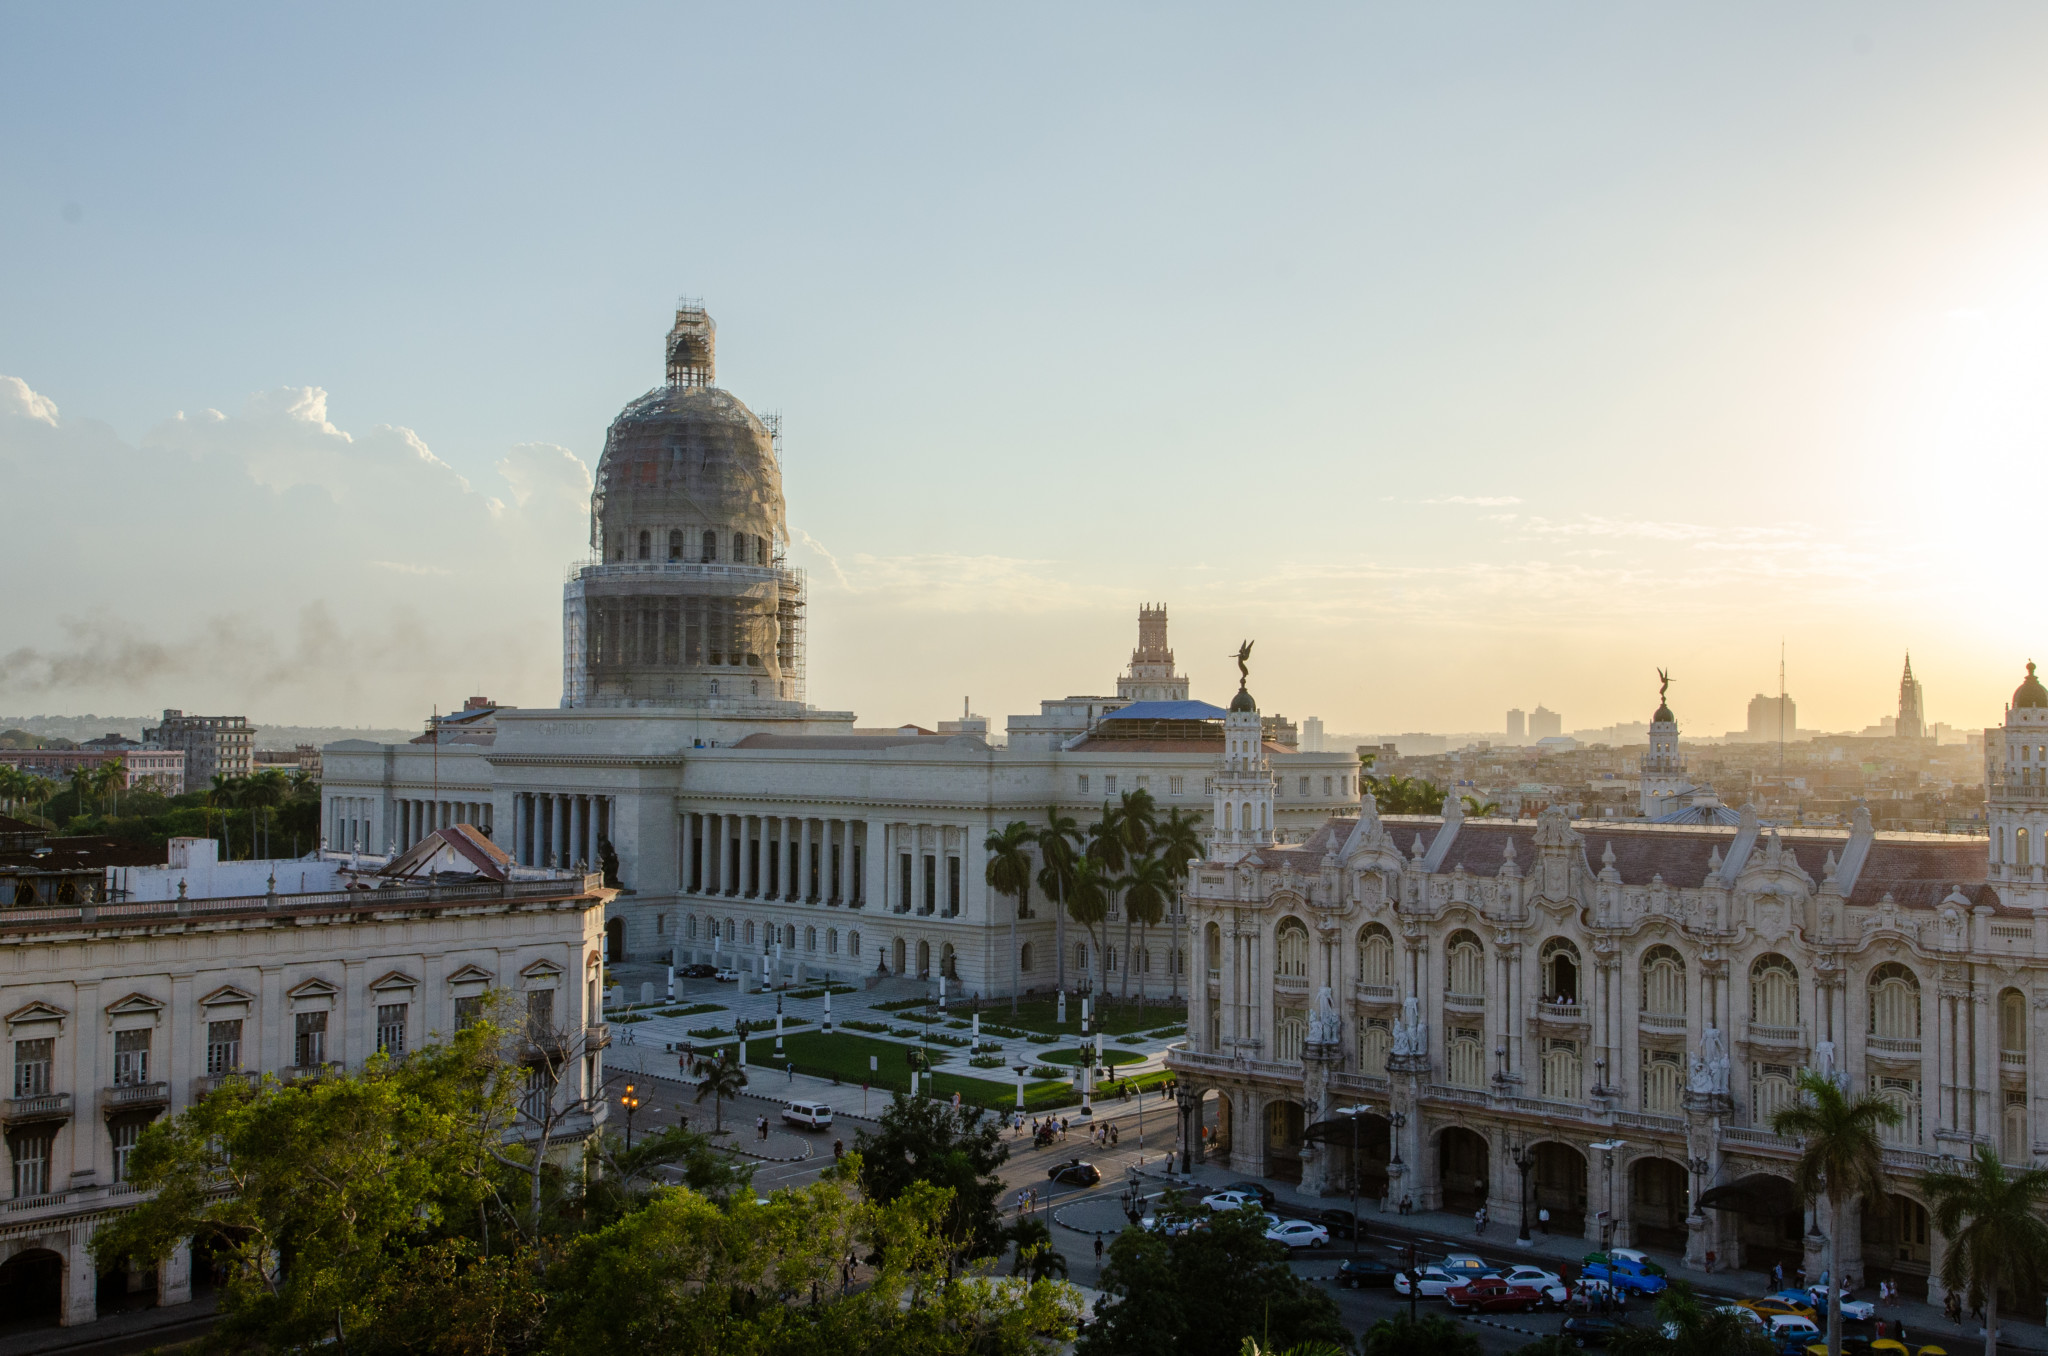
(1607, 1148)
(1021, 1070)
(1524, 1159)
(1352, 1113)
(630, 1100)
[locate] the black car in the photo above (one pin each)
(1259, 1189)
(697, 971)
(1340, 1223)
(1591, 1330)
(1074, 1172)
(1364, 1273)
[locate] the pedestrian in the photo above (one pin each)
(790, 1068)
(1114, 1137)
(1098, 1250)
(838, 1149)
(1479, 1220)
(1543, 1219)
(1777, 1275)
(1710, 1261)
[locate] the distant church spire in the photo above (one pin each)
(1912, 705)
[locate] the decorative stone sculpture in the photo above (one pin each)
(1324, 1026)
(1709, 1075)
(1411, 1033)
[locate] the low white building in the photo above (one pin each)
(117, 1013)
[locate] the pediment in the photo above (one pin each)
(311, 988)
(541, 969)
(38, 1011)
(396, 979)
(471, 974)
(135, 1003)
(227, 994)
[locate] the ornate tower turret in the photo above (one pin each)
(1242, 813)
(1664, 781)
(2016, 796)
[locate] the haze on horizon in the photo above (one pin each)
(1466, 358)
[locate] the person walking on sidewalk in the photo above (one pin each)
(1098, 1250)
(1543, 1219)
(1479, 1221)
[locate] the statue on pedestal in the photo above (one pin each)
(1709, 1075)
(1325, 1027)
(1411, 1033)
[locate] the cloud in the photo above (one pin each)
(18, 400)
(1478, 501)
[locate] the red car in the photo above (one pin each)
(1490, 1294)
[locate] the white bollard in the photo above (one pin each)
(828, 1006)
(977, 1026)
(646, 992)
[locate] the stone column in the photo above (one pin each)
(875, 866)
(1406, 1175)
(803, 868)
(561, 826)
(1227, 989)
(81, 1280)
(1318, 1062)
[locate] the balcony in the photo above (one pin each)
(1667, 1023)
(135, 1097)
(50, 1106)
(1776, 1035)
(1375, 993)
(1474, 1001)
(597, 1037)
(2012, 1059)
(1899, 1045)
(210, 1083)
(1446, 1092)
(1561, 1014)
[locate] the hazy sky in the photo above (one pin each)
(1466, 356)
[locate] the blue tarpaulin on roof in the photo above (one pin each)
(1168, 711)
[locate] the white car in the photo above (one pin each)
(1787, 1328)
(1298, 1233)
(726, 976)
(1547, 1283)
(1231, 1200)
(1861, 1310)
(1430, 1282)
(809, 1115)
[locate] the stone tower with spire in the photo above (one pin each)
(1665, 786)
(1151, 677)
(1241, 813)
(1912, 705)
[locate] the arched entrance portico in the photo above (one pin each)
(1462, 1157)
(1770, 1219)
(1284, 1124)
(1215, 1126)
(899, 956)
(31, 1290)
(1897, 1242)
(615, 940)
(1558, 1184)
(924, 960)
(1657, 1204)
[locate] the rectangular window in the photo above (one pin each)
(1175, 785)
(540, 1012)
(468, 1011)
(1082, 781)
(903, 876)
(223, 1048)
(30, 1152)
(131, 1057)
(124, 1134)
(931, 884)
(309, 1049)
(1144, 782)
(1663, 1081)
(391, 1028)
(1304, 786)
(1109, 783)
(32, 1067)
(1326, 786)
(952, 887)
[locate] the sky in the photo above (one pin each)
(1464, 356)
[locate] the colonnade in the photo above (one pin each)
(559, 830)
(788, 857)
(415, 819)
(348, 826)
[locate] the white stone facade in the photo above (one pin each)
(121, 1013)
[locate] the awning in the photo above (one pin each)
(1338, 1128)
(1757, 1194)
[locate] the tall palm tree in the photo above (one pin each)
(1178, 843)
(1106, 848)
(260, 792)
(1009, 873)
(1147, 888)
(718, 1078)
(1841, 1157)
(1997, 1239)
(1056, 849)
(224, 795)
(1088, 902)
(1136, 821)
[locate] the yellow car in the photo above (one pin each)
(1892, 1346)
(1766, 1309)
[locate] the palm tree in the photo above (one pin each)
(1433, 1333)
(1146, 890)
(1009, 873)
(1997, 1239)
(1685, 1327)
(1088, 902)
(1136, 821)
(1179, 842)
(1106, 848)
(1476, 809)
(1056, 849)
(718, 1078)
(261, 791)
(225, 794)
(1037, 1258)
(1840, 1156)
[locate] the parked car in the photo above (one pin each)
(1548, 1284)
(1770, 1306)
(809, 1115)
(1853, 1344)
(1466, 1265)
(1173, 1226)
(726, 976)
(1591, 1330)
(1364, 1273)
(698, 970)
(1625, 1274)
(1298, 1233)
(1817, 1296)
(1258, 1189)
(1791, 1330)
(1429, 1282)
(1232, 1199)
(1074, 1172)
(1340, 1223)
(1490, 1294)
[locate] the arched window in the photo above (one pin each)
(853, 942)
(810, 939)
(760, 550)
(750, 932)
(1024, 958)
(1465, 1058)
(1773, 992)
(1663, 982)
(1560, 1070)
(1559, 963)
(1290, 950)
(739, 548)
(2022, 855)
(924, 959)
(1663, 1080)
(1894, 1003)
(1770, 1091)
(1290, 1033)
(2014, 1146)
(2012, 1024)
(1081, 957)
(1376, 957)
(1227, 817)
(729, 932)
(675, 544)
(1466, 966)
(948, 960)
(646, 547)
(690, 927)
(831, 941)
(1212, 948)
(1375, 1043)
(710, 547)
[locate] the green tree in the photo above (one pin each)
(1056, 842)
(1204, 1292)
(1037, 1258)
(1997, 1241)
(1431, 1335)
(718, 1078)
(919, 1140)
(1009, 873)
(1399, 795)
(1179, 844)
(263, 792)
(1841, 1157)
(1478, 809)
(1686, 1327)
(1147, 889)
(1088, 904)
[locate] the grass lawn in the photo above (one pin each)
(1112, 1019)
(846, 1055)
(1111, 1056)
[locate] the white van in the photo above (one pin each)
(809, 1115)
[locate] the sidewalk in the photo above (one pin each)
(1437, 1232)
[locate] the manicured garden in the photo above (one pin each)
(845, 1056)
(1111, 1056)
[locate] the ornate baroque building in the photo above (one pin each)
(1600, 1018)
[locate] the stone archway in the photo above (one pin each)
(1375, 1147)
(1897, 1239)
(949, 963)
(1284, 1123)
(1770, 1219)
(1558, 1184)
(1659, 1197)
(900, 956)
(924, 960)
(31, 1290)
(614, 940)
(1462, 1176)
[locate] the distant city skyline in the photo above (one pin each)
(1448, 354)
